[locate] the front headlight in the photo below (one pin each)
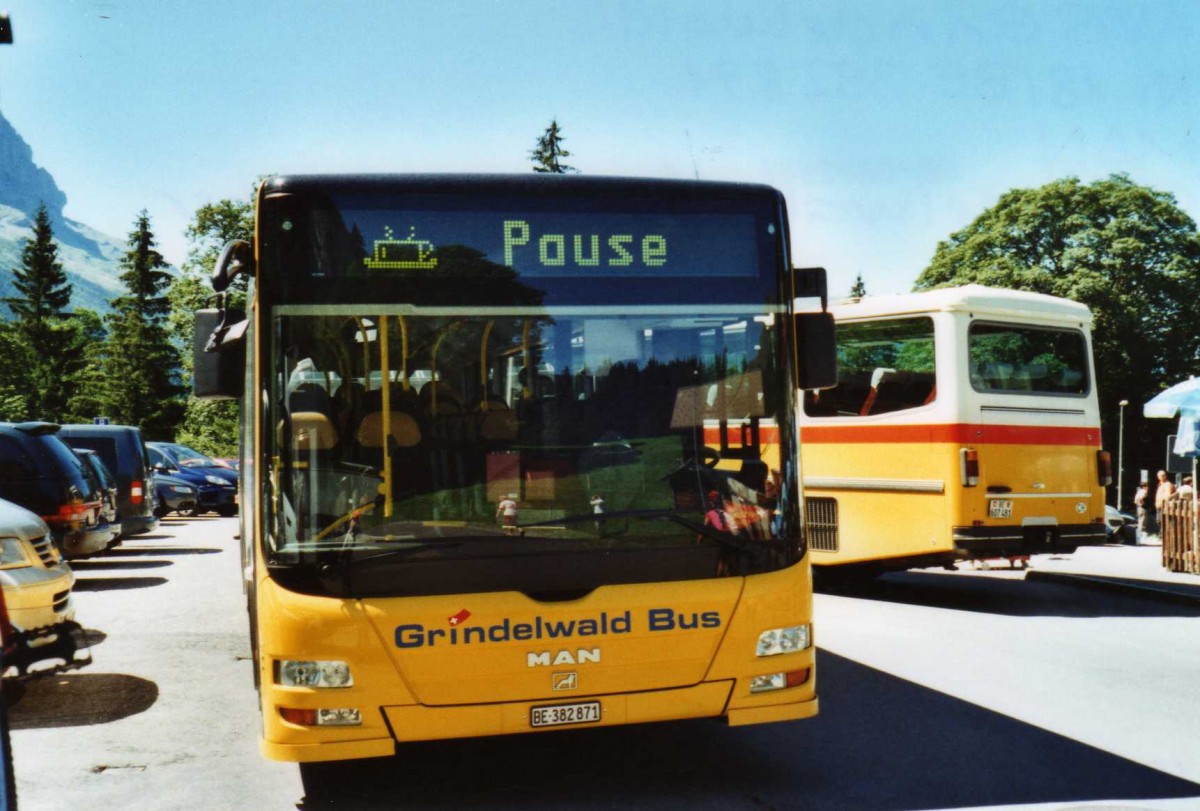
(13, 554)
(217, 480)
(295, 673)
(783, 640)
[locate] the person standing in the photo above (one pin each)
(1139, 501)
(597, 503)
(506, 511)
(1162, 494)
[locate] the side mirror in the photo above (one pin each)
(812, 283)
(218, 354)
(235, 260)
(816, 347)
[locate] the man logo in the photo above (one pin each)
(580, 656)
(566, 681)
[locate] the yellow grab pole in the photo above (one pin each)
(387, 416)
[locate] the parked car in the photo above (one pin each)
(124, 452)
(1119, 527)
(37, 612)
(40, 473)
(37, 582)
(216, 485)
(104, 483)
(173, 494)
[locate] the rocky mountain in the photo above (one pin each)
(89, 258)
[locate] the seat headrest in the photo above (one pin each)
(402, 427)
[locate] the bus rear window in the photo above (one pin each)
(1024, 359)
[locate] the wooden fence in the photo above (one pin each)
(1180, 551)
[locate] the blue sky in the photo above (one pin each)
(888, 125)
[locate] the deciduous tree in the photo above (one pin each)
(1127, 251)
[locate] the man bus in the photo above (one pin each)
(442, 373)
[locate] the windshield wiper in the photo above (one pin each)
(674, 516)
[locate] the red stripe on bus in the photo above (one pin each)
(767, 435)
(961, 433)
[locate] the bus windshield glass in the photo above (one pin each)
(512, 396)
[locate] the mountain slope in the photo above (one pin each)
(89, 258)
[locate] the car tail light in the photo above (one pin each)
(1104, 468)
(968, 461)
(135, 492)
(69, 513)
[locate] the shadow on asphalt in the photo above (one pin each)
(84, 583)
(77, 699)
(147, 551)
(101, 565)
(879, 743)
(1007, 596)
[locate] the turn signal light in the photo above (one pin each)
(778, 681)
(340, 717)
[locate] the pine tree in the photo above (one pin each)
(141, 367)
(42, 336)
(546, 156)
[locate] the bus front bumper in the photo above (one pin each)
(410, 723)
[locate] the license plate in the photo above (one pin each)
(999, 508)
(555, 715)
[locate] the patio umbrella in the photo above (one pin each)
(1182, 400)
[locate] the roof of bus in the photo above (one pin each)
(537, 183)
(973, 298)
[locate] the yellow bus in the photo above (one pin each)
(964, 425)
(479, 495)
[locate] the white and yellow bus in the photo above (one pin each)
(964, 426)
(478, 497)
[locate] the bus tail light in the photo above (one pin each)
(338, 717)
(1104, 468)
(968, 463)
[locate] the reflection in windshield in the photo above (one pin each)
(606, 431)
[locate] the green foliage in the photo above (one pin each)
(208, 426)
(547, 155)
(1126, 251)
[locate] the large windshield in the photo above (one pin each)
(424, 450)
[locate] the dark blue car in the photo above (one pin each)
(216, 485)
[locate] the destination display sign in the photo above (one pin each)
(563, 244)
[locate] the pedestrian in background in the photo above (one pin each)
(1139, 501)
(1162, 494)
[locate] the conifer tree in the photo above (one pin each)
(41, 336)
(860, 287)
(141, 374)
(547, 155)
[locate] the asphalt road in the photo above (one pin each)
(937, 691)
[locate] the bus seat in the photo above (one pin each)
(496, 420)
(311, 431)
(403, 427)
